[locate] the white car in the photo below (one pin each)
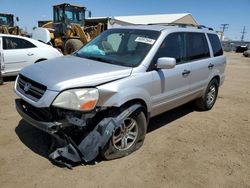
(17, 52)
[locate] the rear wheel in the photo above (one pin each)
(208, 100)
(72, 45)
(126, 138)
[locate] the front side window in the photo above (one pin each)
(3, 20)
(10, 43)
(172, 46)
(126, 47)
(216, 45)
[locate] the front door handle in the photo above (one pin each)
(30, 54)
(210, 66)
(186, 72)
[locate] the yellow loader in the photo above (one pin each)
(7, 24)
(68, 31)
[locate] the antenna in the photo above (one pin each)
(243, 34)
(223, 27)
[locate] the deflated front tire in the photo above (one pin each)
(126, 138)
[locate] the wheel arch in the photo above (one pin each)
(39, 60)
(138, 101)
(217, 77)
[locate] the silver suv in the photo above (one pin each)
(99, 100)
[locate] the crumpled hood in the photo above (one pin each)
(70, 71)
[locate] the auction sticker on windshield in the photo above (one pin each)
(145, 40)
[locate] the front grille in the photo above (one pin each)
(39, 114)
(30, 88)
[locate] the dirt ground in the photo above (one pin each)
(183, 147)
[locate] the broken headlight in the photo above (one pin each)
(77, 99)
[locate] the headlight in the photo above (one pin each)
(77, 99)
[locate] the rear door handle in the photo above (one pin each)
(210, 66)
(186, 72)
(30, 54)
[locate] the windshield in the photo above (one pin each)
(70, 14)
(6, 20)
(126, 47)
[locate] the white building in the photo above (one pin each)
(183, 18)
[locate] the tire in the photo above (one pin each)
(207, 101)
(113, 151)
(72, 45)
(1, 78)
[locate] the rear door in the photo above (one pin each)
(171, 86)
(199, 57)
(218, 60)
(17, 53)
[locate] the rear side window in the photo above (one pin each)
(172, 46)
(216, 45)
(197, 47)
(10, 43)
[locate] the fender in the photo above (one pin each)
(114, 98)
(134, 87)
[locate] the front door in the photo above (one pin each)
(171, 86)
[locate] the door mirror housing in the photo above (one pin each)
(166, 63)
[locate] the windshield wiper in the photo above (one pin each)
(97, 59)
(102, 60)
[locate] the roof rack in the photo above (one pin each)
(203, 26)
(183, 25)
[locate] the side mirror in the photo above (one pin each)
(17, 19)
(166, 63)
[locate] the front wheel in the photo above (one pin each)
(126, 138)
(207, 101)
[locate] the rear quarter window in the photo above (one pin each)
(216, 45)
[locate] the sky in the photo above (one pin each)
(211, 13)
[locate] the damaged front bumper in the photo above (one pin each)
(49, 127)
(81, 150)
